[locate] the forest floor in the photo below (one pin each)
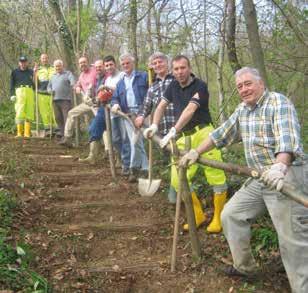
(91, 235)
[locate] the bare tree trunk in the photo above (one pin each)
(149, 27)
(230, 35)
(254, 38)
(133, 29)
(206, 69)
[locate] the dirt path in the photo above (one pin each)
(93, 236)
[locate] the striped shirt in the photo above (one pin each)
(269, 128)
(152, 99)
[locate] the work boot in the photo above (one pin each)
(219, 202)
(172, 195)
(199, 215)
(125, 171)
(19, 130)
(27, 133)
(66, 142)
(93, 154)
(133, 173)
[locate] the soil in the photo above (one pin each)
(90, 234)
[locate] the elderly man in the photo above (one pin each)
(22, 93)
(85, 86)
(128, 97)
(159, 63)
(61, 87)
(43, 74)
(267, 124)
(190, 98)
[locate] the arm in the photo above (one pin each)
(159, 112)
(12, 84)
(186, 116)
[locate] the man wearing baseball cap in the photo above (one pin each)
(21, 89)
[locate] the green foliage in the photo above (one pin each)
(7, 117)
(15, 273)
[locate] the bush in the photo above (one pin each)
(7, 117)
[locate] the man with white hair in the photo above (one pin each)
(128, 97)
(61, 87)
(267, 125)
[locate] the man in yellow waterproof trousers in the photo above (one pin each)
(21, 89)
(190, 98)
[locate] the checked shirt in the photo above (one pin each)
(152, 99)
(269, 128)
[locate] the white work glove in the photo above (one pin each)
(165, 140)
(150, 131)
(190, 158)
(115, 108)
(13, 98)
(273, 177)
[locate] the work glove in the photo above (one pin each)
(115, 108)
(13, 98)
(150, 131)
(165, 140)
(190, 158)
(273, 177)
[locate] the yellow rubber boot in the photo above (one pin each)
(219, 202)
(27, 133)
(199, 215)
(19, 130)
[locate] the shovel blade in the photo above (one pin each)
(39, 133)
(148, 187)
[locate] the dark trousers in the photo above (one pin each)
(61, 108)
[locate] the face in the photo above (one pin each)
(99, 67)
(23, 65)
(127, 65)
(110, 67)
(58, 67)
(249, 88)
(181, 71)
(44, 59)
(160, 66)
(83, 64)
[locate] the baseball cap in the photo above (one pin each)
(23, 58)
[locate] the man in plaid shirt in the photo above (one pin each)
(267, 124)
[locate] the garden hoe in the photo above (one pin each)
(148, 187)
(37, 132)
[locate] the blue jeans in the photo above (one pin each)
(119, 138)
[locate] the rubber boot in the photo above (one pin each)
(19, 130)
(93, 154)
(199, 215)
(27, 133)
(219, 202)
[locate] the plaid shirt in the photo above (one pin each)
(152, 99)
(271, 127)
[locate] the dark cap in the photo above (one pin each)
(23, 58)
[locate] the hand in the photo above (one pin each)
(139, 121)
(274, 176)
(78, 90)
(115, 108)
(13, 98)
(149, 132)
(190, 158)
(171, 134)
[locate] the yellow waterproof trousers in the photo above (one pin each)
(24, 105)
(46, 110)
(213, 176)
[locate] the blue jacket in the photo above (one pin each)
(140, 88)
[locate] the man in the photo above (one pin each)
(128, 97)
(190, 98)
(42, 75)
(84, 86)
(159, 62)
(60, 86)
(267, 124)
(21, 89)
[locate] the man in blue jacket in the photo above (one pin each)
(128, 97)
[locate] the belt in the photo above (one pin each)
(194, 130)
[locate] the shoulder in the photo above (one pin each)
(277, 99)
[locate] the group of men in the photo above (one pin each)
(266, 122)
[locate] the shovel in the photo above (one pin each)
(148, 187)
(37, 132)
